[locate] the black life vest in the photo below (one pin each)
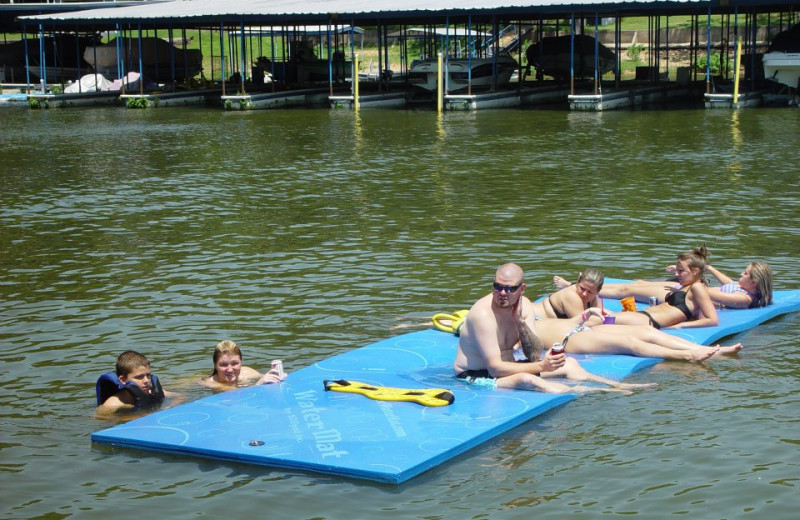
(108, 384)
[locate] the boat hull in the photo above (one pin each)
(782, 60)
(552, 56)
(783, 68)
(160, 59)
(61, 66)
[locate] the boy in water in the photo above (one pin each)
(133, 387)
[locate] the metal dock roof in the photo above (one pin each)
(316, 11)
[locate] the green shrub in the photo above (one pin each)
(36, 103)
(634, 52)
(137, 102)
(717, 64)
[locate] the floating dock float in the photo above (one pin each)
(168, 99)
(13, 99)
(544, 95)
(628, 97)
(383, 100)
(745, 99)
(278, 99)
(499, 99)
(526, 96)
(108, 97)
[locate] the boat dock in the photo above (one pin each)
(622, 97)
(518, 56)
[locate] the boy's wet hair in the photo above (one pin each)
(129, 360)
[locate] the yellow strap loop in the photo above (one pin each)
(451, 323)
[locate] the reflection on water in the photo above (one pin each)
(301, 234)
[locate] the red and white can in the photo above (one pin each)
(557, 348)
(277, 365)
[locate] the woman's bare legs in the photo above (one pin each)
(641, 290)
(599, 342)
(659, 337)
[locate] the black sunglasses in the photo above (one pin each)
(507, 288)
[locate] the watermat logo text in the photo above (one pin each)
(324, 437)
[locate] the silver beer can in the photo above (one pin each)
(277, 365)
(653, 301)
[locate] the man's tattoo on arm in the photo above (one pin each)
(531, 344)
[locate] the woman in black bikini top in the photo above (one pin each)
(678, 300)
(691, 299)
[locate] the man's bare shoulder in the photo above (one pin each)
(481, 311)
(482, 305)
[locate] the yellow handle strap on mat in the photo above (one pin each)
(423, 396)
(450, 322)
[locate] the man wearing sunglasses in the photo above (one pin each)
(495, 326)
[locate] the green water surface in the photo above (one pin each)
(301, 234)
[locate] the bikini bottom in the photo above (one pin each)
(653, 323)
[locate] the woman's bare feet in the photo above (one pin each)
(701, 354)
(731, 349)
(560, 283)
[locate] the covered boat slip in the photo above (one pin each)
(298, 425)
(459, 31)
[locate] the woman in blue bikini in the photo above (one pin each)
(753, 289)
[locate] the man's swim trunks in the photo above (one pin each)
(479, 378)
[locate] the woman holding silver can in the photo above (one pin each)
(229, 373)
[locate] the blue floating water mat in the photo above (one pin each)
(298, 425)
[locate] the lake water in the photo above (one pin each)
(302, 234)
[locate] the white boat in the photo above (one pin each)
(782, 60)
(481, 73)
(783, 68)
(160, 59)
